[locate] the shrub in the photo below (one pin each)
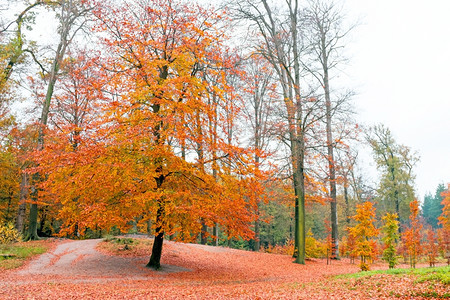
(313, 247)
(9, 234)
(287, 249)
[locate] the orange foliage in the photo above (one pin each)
(412, 236)
(313, 247)
(431, 247)
(286, 249)
(155, 141)
(362, 232)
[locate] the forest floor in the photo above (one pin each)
(78, 270)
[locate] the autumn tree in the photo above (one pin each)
(363, 233)
(412, 236)
(390, 237)
(9, 184)
(161, 139)
(396, 163)
(431, 246)
(72, 122)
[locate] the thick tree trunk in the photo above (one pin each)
(155, 258)
(203, 238)
(20, 221)
(32, 226)
(22, 203)
(296, 228)
(334, 228)
(300, 226)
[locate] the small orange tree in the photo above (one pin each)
(431, 248)
(363, 232)
(411, 236)
(444, 220)
(350, 246)
(390, 230)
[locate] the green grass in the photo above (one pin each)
(19, 252)
(440, 274)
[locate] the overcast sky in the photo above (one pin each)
(400, 68)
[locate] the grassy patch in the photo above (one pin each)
(126, 246)
(440, 274)
(14, 255)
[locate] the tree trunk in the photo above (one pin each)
(300, 226)
(257, 243)
(32, 226)
(8, 209)
(216, 233)
(347, 205)
(22, 202)
(33, 216)
(296, 228)
(203, 238)
(155, 258)
(330, 150)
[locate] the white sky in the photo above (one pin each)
(400, 68)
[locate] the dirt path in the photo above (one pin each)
(72, 258)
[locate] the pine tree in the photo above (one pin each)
(432, 207)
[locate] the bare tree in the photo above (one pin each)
(323, 36)
(259, 93)
(279, 45)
